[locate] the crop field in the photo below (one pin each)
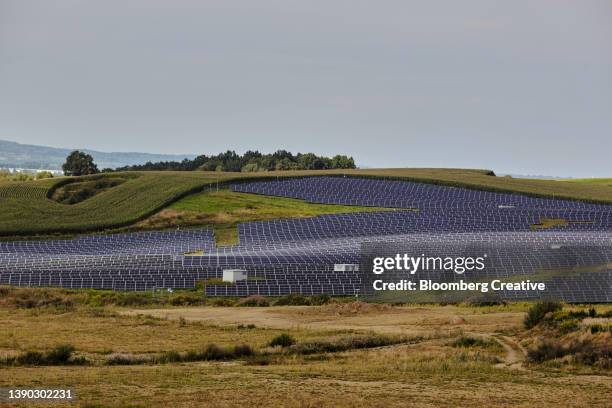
(25, 190)
(138, 351)
(25, 208)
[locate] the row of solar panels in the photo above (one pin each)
(400, 194)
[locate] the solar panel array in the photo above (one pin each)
(400, 194)
(150, 242)
(297, 255)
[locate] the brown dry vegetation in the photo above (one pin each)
(440, 366)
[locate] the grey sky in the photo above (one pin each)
(516, 86)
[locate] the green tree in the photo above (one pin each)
(307, 161)
(250, 167)
(79, 164)
(342, 162)
(286, 164)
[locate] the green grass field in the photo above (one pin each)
(223, 210)
(26, 209)
(606, 181)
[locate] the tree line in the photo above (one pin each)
(251, 161)
(79, 163)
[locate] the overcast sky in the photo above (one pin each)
(520, 87)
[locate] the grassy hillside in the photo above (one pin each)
(223, 210)
(26, 209)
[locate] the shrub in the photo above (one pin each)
(186, 299)
(28, 298)
(592, 312)
(577, 314)
(319, 300)
(224, 302)
(243, 350)
(59, 355)
(606, 314)
(30, 358)
(583, 351)
(127, 359)
(134, 299)
(538, 311)
(283, 340)
(213, 352)
(260, 360)
(253, 301)
(545, 350)
(171, 356)
(292, 300)
(345, 343)
(467, 341)
(599, 328)
(568, 326)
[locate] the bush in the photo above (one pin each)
(283, 340)
(319, 300)
(292, 300)
(599, 328)
(213, 352)
(127, 359)
(28, 298)
(545, 350)
(59, 355)
(134, 299)
(538, 311)
(253, 301)
(582, 351)
(577, 314)
(467, 341)
(30, 358)
(606, 314)
(260, 360)
(345, 343)
(243, 350)
(186, 299)
(171, 356)
(568, 326)
(224, 302)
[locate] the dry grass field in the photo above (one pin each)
(429, 366)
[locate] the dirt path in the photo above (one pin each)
(515, 353)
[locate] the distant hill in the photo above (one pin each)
(13, 154)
